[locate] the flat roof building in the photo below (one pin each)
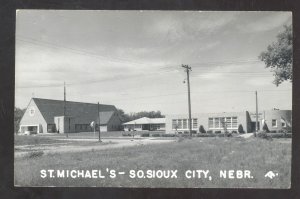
(47, 116)
(216, 122)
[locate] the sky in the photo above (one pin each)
(133, 59)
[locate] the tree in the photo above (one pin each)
(133, 116)
(240, 129)
(18, 114)
(279, 56)
(201, 129)
(265, 128)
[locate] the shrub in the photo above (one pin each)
(241, 129)
(217, 132)
(186, 132)
(234, 132)
(194, 132)
(145, 135)
(126, 134)
(263, 135)
(265, 128)
(179, 132)
(201, 129)
(228, 134)
(206, 135)
(209, 132)
(168, 135)
(280, 135)
(273, 131)
(156, 135)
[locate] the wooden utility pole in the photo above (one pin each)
(188, 68)
(256, 124)
(65, 108)
(99, 122)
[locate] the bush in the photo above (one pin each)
(265, 128)
(168, 135)
(201, 129)
(280, 135)
(156, 135)
(206, 135)
(186, 132)
(126, 134)
(145, 135)
(210, 132)
(194, 132)
(241, 129)
(263, 135)
(234, 132)
(228, 134)
(273, 131)
(217, 132)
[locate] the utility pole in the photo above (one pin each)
(256, 125)
(99, 123)
(188, 68)
(65, 107)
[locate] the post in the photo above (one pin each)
(189, 96)
(65, 108)
(256, 125)
(99, 123)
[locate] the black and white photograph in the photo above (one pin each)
(153, 99)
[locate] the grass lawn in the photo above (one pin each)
(214, 154)
(33, 140)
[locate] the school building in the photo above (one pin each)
(215, 122)
(47, 116)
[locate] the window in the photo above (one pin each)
(228, 122)
(195, 123)
(221, 122)
(217, 122)
(210, 123)
(179, 124)
(234, 122)
(174, 124)
(184, 125)
(274, 123)
(283, 124)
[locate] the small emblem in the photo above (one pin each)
(271, 175)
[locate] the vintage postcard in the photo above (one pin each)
(153, 99)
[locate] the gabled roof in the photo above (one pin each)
(84, 113)
(146, 120)
(105, 117)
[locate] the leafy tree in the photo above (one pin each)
(240, 129)
(18, 114)
(133, 116)
(279, 56)
(201, 129)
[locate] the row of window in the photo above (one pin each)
(222, 122)
(157, 126)
(82, 127)
(184, 123)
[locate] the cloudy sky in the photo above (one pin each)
(132, 59)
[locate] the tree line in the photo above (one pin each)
(126, 117)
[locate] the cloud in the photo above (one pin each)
(266, 22)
